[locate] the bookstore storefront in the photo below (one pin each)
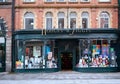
(56, 50)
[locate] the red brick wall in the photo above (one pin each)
(38, 8)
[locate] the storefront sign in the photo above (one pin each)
(66, 31)
(2, 40)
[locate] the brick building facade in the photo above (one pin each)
(48, 33)
(5, 42)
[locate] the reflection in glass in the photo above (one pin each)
(99, 53)
(30, 55)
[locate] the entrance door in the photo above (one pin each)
(66, 61)
(2, 58)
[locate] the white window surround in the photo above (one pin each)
(29, 0)
(104, 0)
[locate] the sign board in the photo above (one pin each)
(2, 40)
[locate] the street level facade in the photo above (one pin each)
(55, 35)
(5, 35)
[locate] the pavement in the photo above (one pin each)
(62, 77)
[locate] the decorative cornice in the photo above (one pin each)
(69, 6)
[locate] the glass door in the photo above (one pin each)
(2, 57)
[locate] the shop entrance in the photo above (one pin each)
(66, 61)
(2, 58)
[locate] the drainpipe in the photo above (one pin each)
(13, 29)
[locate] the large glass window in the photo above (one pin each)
(97, 53)
(49, 20)
(2, 57)
(29, 20)
(85, 19)
(73, 16)
(104, 20)
(35, 55)
(61, 16)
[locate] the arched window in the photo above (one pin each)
(49, 20)
(73, 16)
(29, 20)
(2, 25)
(104, 20)
(85, 19)
(61, 16)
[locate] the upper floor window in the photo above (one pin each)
(85, 0)
(29, 20)
(104, 20)
(49, 0)
(73, 0)
(2, 0)
(85, 19)
(104, 0)
(61, 16)
(29, 0)
(60, 0)
(49, 20)
(73, 16)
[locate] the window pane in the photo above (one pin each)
(72, 0)
(20, 55)
(60, 22)
(104, 20)
(29, 23)
(84, 23)
(61, 0)
(48, 23)
(33, 55)
(73, 23)
(50, 55)
(49, 0)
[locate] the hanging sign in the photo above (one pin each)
(2, 40)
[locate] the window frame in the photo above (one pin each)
(28, 17)
(85, 17)
(61, 17)
(108, 19)
(48, 17)
(73, 17)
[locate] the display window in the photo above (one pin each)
(97, 53)
(35, 55)
(2, 60)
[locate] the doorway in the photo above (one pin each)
(66, 61)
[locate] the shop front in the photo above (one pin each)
(86, 50)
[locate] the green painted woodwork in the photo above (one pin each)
(70, 34)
